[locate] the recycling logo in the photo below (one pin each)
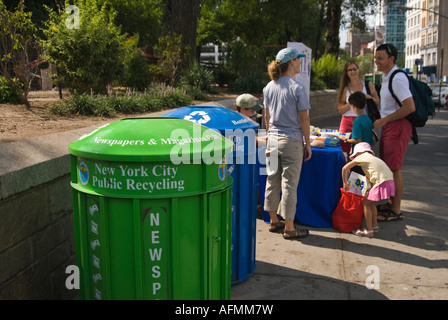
(200, 117)
(83, 173)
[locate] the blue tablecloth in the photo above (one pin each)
(318, 192)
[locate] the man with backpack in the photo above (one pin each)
(396, 129)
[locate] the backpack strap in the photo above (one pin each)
(391, 90)
(366, 84)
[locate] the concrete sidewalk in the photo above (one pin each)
(407, 259)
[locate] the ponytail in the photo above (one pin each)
(276, 69)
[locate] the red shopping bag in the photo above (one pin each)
(349, 213)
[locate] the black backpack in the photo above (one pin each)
(372, 109)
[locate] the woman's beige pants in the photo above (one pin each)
(284, 157)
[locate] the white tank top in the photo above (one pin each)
(350, 112)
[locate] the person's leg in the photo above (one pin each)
(396, 136)
(399, 187)
(292, 158)
(273, 181)
(367, 214)
(374, 217)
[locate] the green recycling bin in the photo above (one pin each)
(152, 211)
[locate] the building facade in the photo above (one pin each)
(395, 27)
(425, 37)
(413, 37)
(442, 56)
(429, 35)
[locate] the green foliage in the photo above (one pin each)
(142, 17)
(17, 33)
(169, 50)
(258, 22)
(137, 74)
(252, 82)
(89, 57)
(159, 74)
(223, 77)
(8, 94)
(199, 77)
(17, 27)
(156, 98)
(243, 58)
(327, 70)
(365, 64)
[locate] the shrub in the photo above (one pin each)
(89, 105)
(170, 97)
(224, 77)
(194, 92)
(155, 99)
(90, 57)
(327, 70)
(136, 70)
(253, 82)
(169, 50)
(159, 74)
(7, 93)
(199, 77)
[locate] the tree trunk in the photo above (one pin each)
(334, 12)
(183, 19)
(320, 26)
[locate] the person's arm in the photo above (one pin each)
(343, 106)
(407, 108)
(356, 132)
(346, 173)
(267, 117)
(305, 125)
(351, 140)
(373, 94)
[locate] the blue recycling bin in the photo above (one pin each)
(242, 166)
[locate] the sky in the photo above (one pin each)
(342, 37)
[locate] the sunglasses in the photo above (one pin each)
(354, 69)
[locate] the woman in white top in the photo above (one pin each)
(351, 82)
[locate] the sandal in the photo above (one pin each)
(389, 216)
(363, 233)
(375, 229)
(385, 208)
(276, 226)
(295, 234)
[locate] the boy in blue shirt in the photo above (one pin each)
(362, 126)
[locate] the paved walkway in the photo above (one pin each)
(407, 259)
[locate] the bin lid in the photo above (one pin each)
(150, 139)
(214, 117)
